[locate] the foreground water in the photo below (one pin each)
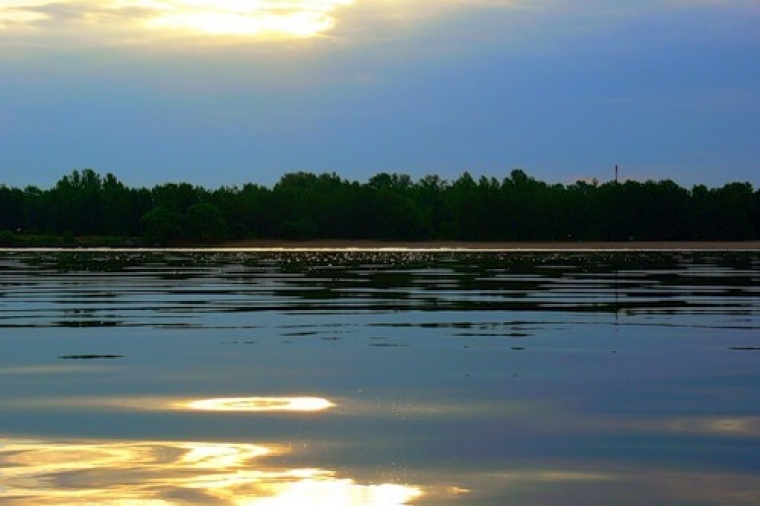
(379, 378)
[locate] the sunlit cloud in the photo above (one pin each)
(304, 18)
(16, 16)
(268, 19)
(129, 21)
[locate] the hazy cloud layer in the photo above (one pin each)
(115, 19)
(164, 89)
(151, 18)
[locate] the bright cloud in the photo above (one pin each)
(248, 18)
(283, 19)
(240, 18)
(296, 18)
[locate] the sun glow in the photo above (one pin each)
(267, 19)
(10, 18)
(285, 19)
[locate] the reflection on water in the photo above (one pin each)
(259, 404)
(293, 405)
(73, 472)
(488, 378)
(153, 473)
(743, 426)
(218, 290)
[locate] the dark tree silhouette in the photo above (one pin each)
(391, 206)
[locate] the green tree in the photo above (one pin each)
(429, 193)
(115, 206)
(7, 238)
(204, 222)
(733, 210)
(77, 203)
(754, 213)
(178, 196)
(11, 208)
(389, 206)
(161, 225)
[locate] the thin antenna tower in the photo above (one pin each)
(616, 173)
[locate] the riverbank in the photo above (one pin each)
(507, 245)
(44, 242)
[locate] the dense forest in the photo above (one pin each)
(303, 205)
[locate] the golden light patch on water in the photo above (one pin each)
(746, 426)
(35, 370)
(258, 404)
(282, 404)
(213, 456)
(559, 476)
(66, 473)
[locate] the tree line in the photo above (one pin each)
(389, 206)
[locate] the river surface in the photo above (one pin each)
(379, 378)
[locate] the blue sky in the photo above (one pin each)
(233, 91)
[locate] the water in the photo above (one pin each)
(379, 378)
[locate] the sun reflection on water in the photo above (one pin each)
(258, 404)
(740, 426)
(282, 404)
(167, 473)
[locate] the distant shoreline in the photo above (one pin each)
(371, 244)
(486, 245)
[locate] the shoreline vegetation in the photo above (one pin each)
(85, 209)
(496, 246)
(86, 243)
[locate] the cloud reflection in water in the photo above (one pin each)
(215, 404)
(167, 473)
(258, 404)
(164, 473)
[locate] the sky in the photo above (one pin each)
(226, 92)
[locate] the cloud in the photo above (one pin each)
(240, 21)
(166, 18)
(244, 21)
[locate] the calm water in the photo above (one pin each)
(379, 378)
